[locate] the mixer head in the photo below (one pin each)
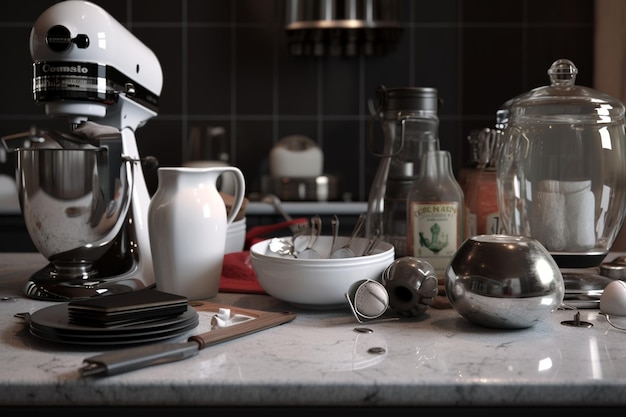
(87, 66)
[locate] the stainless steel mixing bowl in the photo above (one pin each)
(504, 281)
(74, 201)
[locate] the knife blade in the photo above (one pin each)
(129, 359)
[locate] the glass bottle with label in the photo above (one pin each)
(435, 212)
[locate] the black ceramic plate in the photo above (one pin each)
(116, 341)
(174, 326)
(52, 323)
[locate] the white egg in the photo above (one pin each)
(613, 299)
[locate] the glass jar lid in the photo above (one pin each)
(393, 101)
(564, 102)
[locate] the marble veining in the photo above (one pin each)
(319, 359)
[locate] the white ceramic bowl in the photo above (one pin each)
(318, 283)
(235, 236)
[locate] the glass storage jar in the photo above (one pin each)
(561, 173)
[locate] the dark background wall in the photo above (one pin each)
(226, 63)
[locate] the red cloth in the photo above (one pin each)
(238, 274)
(260, 233)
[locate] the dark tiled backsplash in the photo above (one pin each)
(226, 63)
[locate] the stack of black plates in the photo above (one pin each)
(126, 308)
(53, 324)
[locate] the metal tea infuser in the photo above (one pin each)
(409, 287)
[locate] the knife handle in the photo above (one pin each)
(124, 360)
(222, 334)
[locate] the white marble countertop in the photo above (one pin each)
(439, 359)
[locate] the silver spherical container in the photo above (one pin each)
(503, 281)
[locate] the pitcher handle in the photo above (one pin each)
(240, 190)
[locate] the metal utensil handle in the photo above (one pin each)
(357, 229)
(373, 243)
(335, 231)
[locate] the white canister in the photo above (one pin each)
(296, 156)
(188, 222)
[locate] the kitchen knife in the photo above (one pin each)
(125, 360)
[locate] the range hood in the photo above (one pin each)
(342, 27)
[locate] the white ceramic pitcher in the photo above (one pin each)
(188, 221)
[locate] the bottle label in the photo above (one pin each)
(435, 228)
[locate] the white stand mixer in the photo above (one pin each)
(90, 69)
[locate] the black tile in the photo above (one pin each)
(433, 11)
(166, 44)
(149, 11)
(257, 11)
(550, 44)
(254, 143)
(493, 68)
(254, 75)
(202, 11)
(342, 148)
(210, 71)
(305, 126)
(297, 85)
(391, 70)
(450, 138)
(24, 12)
(434, 65)
(117, 8)
(28, 11)
(340, 86)
(492, 11)
(17, 72)
(162, 140)
(561, 11)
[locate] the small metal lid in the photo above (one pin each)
(392, 100)
(614, 270)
